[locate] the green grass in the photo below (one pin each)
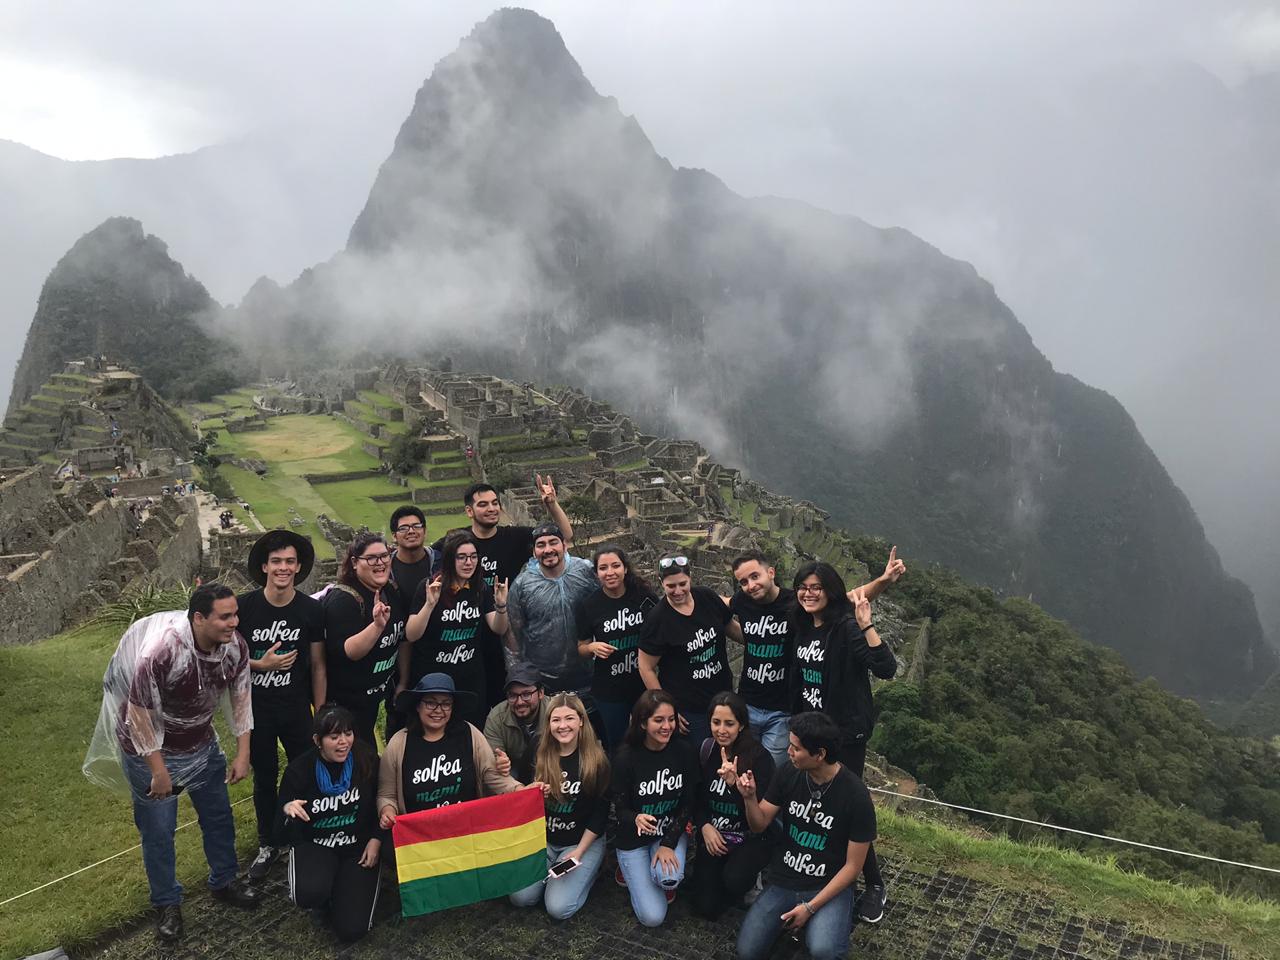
(532, 458)
(57, 820)
(633, 465)
(372, 396)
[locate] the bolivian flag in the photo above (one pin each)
(470, 851)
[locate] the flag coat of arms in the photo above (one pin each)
(468, 852)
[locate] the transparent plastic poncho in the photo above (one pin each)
(543, 614)
(160, 692)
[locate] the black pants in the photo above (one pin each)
(364, 713)
(719, 883)
(290, 723)
(322, 879)
(854, 756)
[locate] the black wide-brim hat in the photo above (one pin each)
(407, 700)
(284, 538)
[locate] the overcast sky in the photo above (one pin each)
(1114, 169)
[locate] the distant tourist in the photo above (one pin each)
(654, 787)
(828, 824)
(544, 613)
(763, 609)
(609, 622)
(504, 551)
(177, 669)
(437, 759)
(284, 629)
(449, 615)
(683, 648)
(730, 854)
(328, 799)
(364, 617)
(835, 647)
(574, 773)
(514, 726)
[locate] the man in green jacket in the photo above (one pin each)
(514, 725)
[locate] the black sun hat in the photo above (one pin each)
(278, 540)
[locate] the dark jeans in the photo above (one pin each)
(157, 820)
(825, 935)
(719, 883)
(289, 723)
(614, 716)
(854, 756)
(699, 727)
(320, 878)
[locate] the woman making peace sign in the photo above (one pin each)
(445, 630)
(730, 857)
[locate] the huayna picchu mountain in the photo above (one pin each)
(524, 223)
(118, 293)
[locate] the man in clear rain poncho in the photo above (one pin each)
(155, 737)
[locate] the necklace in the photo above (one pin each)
(817, 792)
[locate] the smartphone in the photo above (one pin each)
(561, 867)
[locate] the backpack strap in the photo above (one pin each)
(705, 750)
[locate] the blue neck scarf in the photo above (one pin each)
(326, 783)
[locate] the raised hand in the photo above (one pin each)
(728, 771)
(546, 489)
(433, 592)
(381, 611)
(895, 568)
(500, 590)
(861, 608)
(747, 784)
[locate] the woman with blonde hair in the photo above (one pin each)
(574, 772)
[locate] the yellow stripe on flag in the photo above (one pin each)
(469, 852)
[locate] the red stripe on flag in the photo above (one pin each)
(474, 816)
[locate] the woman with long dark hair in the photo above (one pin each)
(327, 797)
(445, 632)
(683, 647)
(609, 623)
(364, 618)
(437, 759)
(574, 773)
(730, 857)
(654, 788)
(835, 646)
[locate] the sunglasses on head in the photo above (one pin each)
(680, 563)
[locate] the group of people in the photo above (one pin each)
(501, 660)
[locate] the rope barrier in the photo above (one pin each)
(181, 826)
(1083, 833)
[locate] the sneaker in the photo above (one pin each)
(261, 865)
(169, 923)
(871, 904)
(618, 878)
(752, 895)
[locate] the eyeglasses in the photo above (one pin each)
(410, 527)
(466, 558)
(667, 562)
(375, 559)
(522, 696)
(809, 588)
(436, 706)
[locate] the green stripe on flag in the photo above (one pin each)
(471, 886)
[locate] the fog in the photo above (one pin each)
(1114, 170)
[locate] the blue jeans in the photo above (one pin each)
(773, 729)
(647, 884)
(564, 896)
(826, 935)
(157, 820)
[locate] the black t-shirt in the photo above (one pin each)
(813, 661)
(451, 642)
(662, 783)
(818, 824)
(295, 626)
(694, 654)
(345, 822)
(353, 683)
(438, 773)
(503, 555)
(721, 805)
(616, 621)
(579, 811)
(766, 629)
(408, 575)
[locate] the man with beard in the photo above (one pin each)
(412, 561)
(504, 551)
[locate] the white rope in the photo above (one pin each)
(73, 873)
(1083, 833)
